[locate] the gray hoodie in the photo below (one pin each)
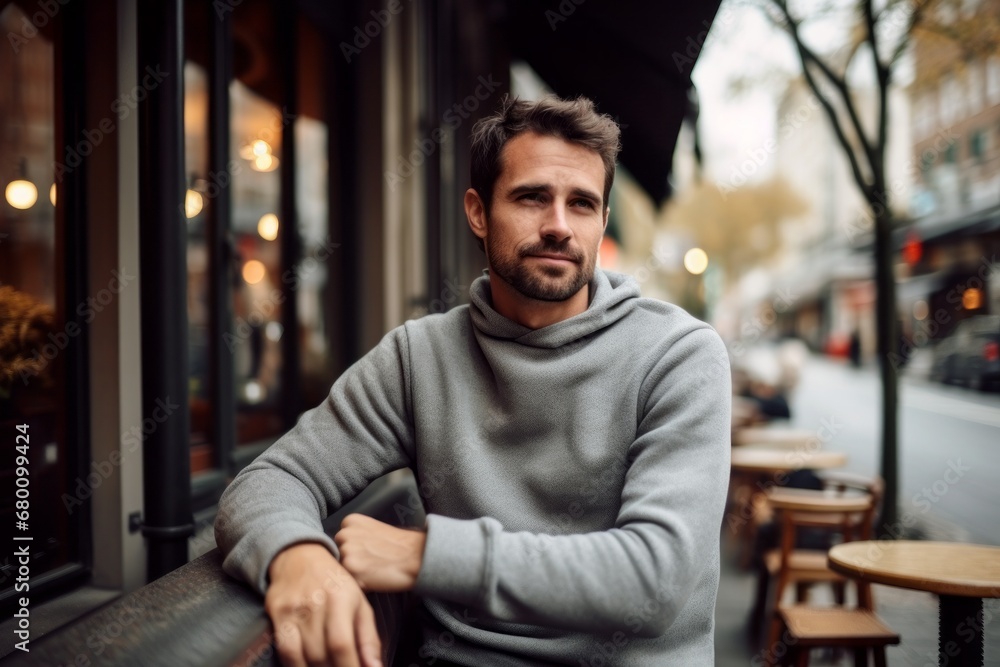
(574, 477)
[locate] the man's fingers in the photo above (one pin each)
(340, 644)
(289, 642)
(312, 619)
(369, 644)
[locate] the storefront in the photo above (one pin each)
(213, 208)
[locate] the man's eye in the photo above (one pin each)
(531, 196)
(585, 203)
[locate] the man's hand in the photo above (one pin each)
(381, 557)
(320, 614)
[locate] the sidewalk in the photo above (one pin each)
(913, 614)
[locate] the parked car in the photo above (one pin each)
(970, 356)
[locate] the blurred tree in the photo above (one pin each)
(739, 228)
(881, 36)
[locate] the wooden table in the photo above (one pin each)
(774, 437)
(760, 460)
(751, 468)
(808, 500)
(960, 574)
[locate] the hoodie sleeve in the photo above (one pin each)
(362, 430)
(665, 542)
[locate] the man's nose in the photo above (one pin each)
(555, 225)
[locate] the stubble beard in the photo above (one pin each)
(540, 282)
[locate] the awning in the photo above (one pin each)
(634, 59)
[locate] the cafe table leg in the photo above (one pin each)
(960, 634)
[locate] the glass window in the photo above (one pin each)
(951, 153)
(196, 203)
(256, 125)
(34, 333)
(977, 145)
(317, 250)
(311, 205)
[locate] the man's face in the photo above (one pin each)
(547, 217)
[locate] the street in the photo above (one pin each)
(948, 445)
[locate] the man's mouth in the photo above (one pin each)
(553, 257)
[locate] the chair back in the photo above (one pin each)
(847, 516)
(847, 484)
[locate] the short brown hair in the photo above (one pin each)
(576, 121)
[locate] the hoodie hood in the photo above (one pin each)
(612, 297)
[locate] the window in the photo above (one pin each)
(977, 145)
(951, 153)
(196, 203)
(39, 324)
(974, 85)
(258, 301)
(993, 80)
(274, 287)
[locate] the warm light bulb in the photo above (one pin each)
(267, 227)
(52, 194)
(253, 271)
(696, 261)
(266, 162)
(193, 203)
(21, 194)
(260, 147)
(972, 298)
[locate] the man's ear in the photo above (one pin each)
(607, 212)
(475, 212)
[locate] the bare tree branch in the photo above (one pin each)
(837, 129)
(916, 16)
(807, 56)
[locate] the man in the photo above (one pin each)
(575, 436)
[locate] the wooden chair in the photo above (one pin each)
(800, 628)
(807, 567)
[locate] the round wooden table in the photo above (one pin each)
(960, 574)
(760, 460)
(782, 438)
(751, 469)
